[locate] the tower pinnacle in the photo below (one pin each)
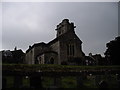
(64, 26)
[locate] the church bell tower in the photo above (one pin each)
(64, 27)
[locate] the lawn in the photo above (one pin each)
(88, 80)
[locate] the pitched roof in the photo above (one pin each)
(36, 45)
(17, 53)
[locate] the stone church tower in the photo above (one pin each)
(69, 44)
(66, 48)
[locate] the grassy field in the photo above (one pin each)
(66, 82)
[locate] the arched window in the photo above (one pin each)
(73, 50)
(70, 49)
(39, 60)
(51, 61)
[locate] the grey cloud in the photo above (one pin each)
(27, 23)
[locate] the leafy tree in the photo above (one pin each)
(112, 53)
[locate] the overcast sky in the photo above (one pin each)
(25, 23)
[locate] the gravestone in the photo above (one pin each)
(18, 81)
(79, 81)
(4, 83)
(97, 80)
(35, 82)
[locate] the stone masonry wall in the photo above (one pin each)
(56, 47)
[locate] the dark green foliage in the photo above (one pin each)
(112, 53)
(53, 68)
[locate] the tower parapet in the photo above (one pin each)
(64, 26)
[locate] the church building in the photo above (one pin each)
(66, 48)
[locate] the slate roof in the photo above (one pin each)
(36, 45)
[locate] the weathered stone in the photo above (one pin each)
(66, 47)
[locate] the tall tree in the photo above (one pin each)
(112, 53)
